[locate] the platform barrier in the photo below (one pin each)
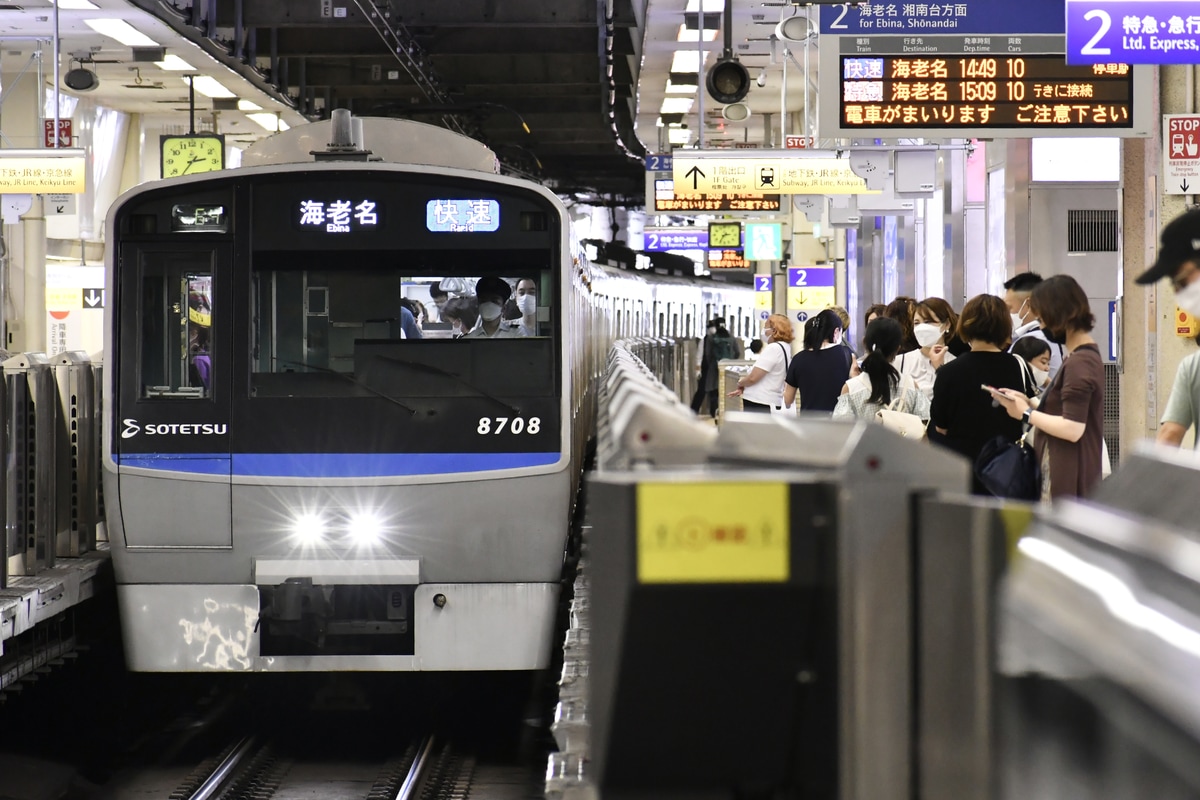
(799, 608)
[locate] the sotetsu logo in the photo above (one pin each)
(132, 428)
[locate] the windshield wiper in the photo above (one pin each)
(347, 378)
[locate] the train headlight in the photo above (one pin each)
(366, 527)
(310, 528)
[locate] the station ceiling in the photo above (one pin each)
(566, 92)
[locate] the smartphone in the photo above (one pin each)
(991, 389)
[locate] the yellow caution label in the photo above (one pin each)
(1016, 520)
(712, 533)
(201, 318)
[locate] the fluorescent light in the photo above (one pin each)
(676, 88)
(175, 64)
(208, 86)
(710, 6)
(74, 5)
(686, 35)
(678, 135)
(676, 105)
(247, 105)
(688, 61)
(268, 121)
(122, 31)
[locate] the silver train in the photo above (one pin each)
(294, 482)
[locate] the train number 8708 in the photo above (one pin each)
(513, 425)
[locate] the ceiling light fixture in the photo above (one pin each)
(687, 34)
(688, 61)
(208, 86)
(710, 6)
(122, 31)
(268, 121)
(75, 5)
(248, 105)
(174, 63)
(676, 105)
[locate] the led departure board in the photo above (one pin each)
(667, 199)
(983, 92)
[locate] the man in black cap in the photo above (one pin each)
(492, 293)
(1179, 260)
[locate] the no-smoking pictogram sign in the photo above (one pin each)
(1181, 153)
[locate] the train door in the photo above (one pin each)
(171, 438)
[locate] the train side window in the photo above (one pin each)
(176, 325)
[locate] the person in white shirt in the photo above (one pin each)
(935, 325)
(1024, 321)
(492, 293)
(762, 389)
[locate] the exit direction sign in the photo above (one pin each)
(1181, 153)
(1133, 32)
(782, 171)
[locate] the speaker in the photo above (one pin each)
(81, 80)
(793, 29)
(736, 112)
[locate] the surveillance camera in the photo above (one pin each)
(761, 80)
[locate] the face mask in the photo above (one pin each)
(457, 328)
(768, 333)
(1040, 376)
(927, 333)
(527, 304)
(1016, 321)
(490, 311)
(1188, 298)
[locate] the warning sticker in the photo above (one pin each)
(712, 533)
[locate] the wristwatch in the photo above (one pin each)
(1025, 417)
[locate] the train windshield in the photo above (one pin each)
(381, 327)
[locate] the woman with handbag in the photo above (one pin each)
(880, 388)
(963, 413)
(762, 389)
(1070, 417)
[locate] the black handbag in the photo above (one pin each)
(1009, 469)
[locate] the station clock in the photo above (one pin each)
(191, 154)
(724, 234)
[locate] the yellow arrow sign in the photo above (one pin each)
(766, 174)
(811, 297)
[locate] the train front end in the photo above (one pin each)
(302, 476)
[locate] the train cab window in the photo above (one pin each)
(176, 314)
(380, 330)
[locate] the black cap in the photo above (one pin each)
(491, 286)
(717, 321)
(1180, 243)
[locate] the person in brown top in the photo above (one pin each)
(1070, 417)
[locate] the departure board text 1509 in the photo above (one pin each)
(1032, 91)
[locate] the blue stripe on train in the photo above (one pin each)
(336, 465)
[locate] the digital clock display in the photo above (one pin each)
(882, 92)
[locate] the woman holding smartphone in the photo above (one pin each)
(1070, 417)
(963, 413)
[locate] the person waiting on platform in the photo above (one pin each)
(492, 293)
(1070, 417)
(880, 383)
(1179, 261)
(440, 297)
(820, 370)
(762, 389)
(409, 329)
(962, 413)
(1183, 406)
(1025, 323)
(934, 327)
(901, 309)
(1036, 352)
